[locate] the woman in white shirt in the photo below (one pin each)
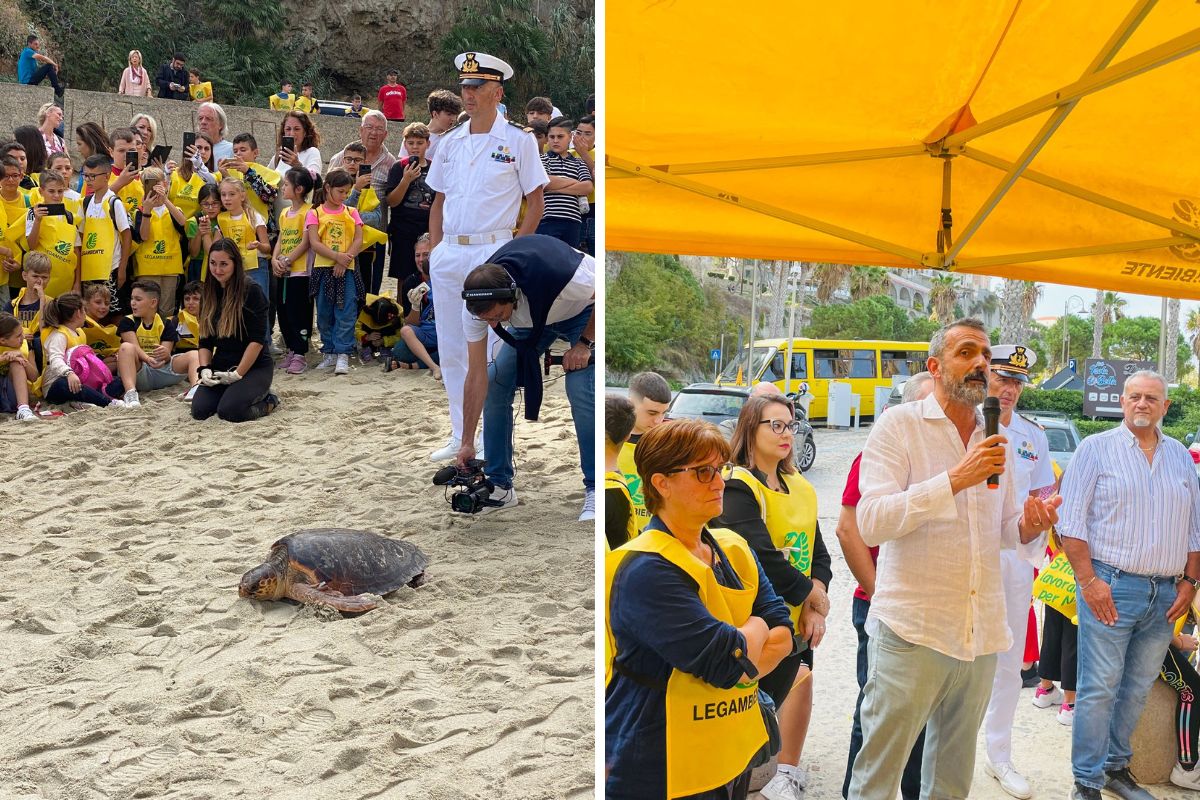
(135, 81)
(297, 125)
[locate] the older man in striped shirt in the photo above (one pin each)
(1131, 528)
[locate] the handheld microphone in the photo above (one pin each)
(991, 426)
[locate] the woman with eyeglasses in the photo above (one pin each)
(774, 509)
(692, 626)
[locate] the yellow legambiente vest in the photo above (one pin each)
(74, 338)
(336, 231)
(35, 386)
(99, 242)
(615, 480)
(103, 339)
(711, 733)
(243, 232)
(32, 325)
(56, 238)
(148, 338)
(191, 339)
(302, 103)
(365, 324)
(791, 519)
(633, 483)
(272, 179)
(291, 234)
(185, 194)
(281, 103)
(161, 254)
(132, 196)
(200, 92)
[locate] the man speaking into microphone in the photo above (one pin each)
(937, 619)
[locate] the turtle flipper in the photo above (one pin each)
(353, 604)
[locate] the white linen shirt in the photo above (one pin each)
(484, 176)
(938, 579)
(575, 297)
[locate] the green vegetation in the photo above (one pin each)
(1182, 418)
(876, 317)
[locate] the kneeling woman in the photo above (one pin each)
(773, 508)
(692, 625)
(235, 368)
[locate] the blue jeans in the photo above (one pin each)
(1117, 666)
(910, 781)
(502, 388)
(402, 353)
(261, 276)
(567, 230)
(337, 324)
(43, 72)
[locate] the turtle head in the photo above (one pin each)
(262, 583)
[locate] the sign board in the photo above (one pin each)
(1074, 365)
(715, 354)
(1103, 382)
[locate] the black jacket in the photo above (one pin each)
(166, 76)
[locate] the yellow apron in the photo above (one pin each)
(336, 231)
(99, 242)
(191, 339)
(242, 231)
(103, 339)
(291, 234)
(14, 235)
(185, 194)
(132, 196)
(304, 104)
(616, 480)
(267, 174)
(791, 519)
(74, 338)
(280, 103)
(200, 92)
(161, 253)
(56, 238)
(368, 200)
(31, 325)
(633, 483)
(148, 338)
(712, 733)
(35, 386)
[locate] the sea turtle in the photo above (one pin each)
(337, 567)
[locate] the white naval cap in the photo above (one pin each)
(476, 69)
(1013, 361)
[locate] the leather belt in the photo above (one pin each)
(490, 237)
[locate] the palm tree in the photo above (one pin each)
(830, 278)
(868, 282)
(1171, 359)
(1192, 326)
(1113, 307)
(1098, 320)
(1011, 303)
(943, 294)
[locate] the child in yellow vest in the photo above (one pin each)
(60, 163)
(187, 321)
(27, 305)
(364, 197)
(144, 360)
(202, 230)
(245, 227)
(158, 226)
(64, 317)
(335, 235)
(284, 99)
(17, 369)
(54, 235)
(261, 183)
(105, 238)
(650, 394)
(100, 332)
(378, 327)
(305, 101)
(15, 205)
(291, 264)
(620, 525)
(200, 91)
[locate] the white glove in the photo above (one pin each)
(207, 377)
(416, 293)
(226, 378)
(197, 162)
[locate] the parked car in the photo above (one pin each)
(1061, 434)
(895, 398)
(721, 406)
(1192, 440)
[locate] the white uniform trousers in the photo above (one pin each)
(1017, 577)
(449, 265)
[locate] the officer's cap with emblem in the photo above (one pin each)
(1013, 361)
(476, 69)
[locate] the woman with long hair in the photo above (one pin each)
(146, 127)
(90, 140)
(774, 508)
(235, 366)
(135, 81)
(307, 140)
(30, 138)
(50, 118)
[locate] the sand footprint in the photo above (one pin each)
(138, 768)
(297, 740)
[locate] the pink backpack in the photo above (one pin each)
(88, 367)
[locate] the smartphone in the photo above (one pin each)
(189, 139)
(289, 143)
(55, 209)
(131, 160)
(364, 169)
(161, 153)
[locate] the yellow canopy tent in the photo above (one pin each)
(1061, 136)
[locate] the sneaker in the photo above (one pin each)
(1044, 698)
(448, 452)
(117, 404)
(479, 451)
(25, 414)
(507, 498)
(1184, 777)
(1010, 780)
(286, 361)
(328, 362)
(366, 356)
(343, 365)
(589, 506)
(1066, 714)
(1121, 784)
(297, 366)
(190, 394)
(1029, 677)
(131, 399)
(786, 786)
(1081, 792)
(275, 351)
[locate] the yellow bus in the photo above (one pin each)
(863, 364)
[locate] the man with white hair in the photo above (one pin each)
(372, 132)
(1131, 528)
(211, 120)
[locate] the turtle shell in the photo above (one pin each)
(351, 562)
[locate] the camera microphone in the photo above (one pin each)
(444, 475)
(991, 427)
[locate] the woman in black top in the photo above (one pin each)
(235, 367)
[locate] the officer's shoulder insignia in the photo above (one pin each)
(1032, 422)
(525, 128)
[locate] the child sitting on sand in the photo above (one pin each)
(144, 360)
(187, 321)
(378, 327)
(27, 305)
(418, 338)
(17, 369)
(101, 337)
(63, 317)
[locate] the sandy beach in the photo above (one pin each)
(131, 668)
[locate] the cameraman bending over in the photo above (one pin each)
(545, 290)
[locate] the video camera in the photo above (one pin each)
(474, 490)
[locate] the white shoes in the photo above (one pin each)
(589, 506)
(507, 498)
(1044, 698)
(132, 400)
(25, 414)
(1187, 778)
(343, 365)
(328, 362)
(1011, 781)
(448, 452)
(786, 786)
(1066, 714)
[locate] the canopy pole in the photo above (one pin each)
(783, 162)
(976, 264)
(1102, 59)
(753, 326)
(944, 232)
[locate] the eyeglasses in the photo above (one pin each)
(779, 426)
(706, 472)
(8, 177)
(91, 176)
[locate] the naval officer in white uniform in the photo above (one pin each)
(482, 170)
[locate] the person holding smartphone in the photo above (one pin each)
(172, 79)
(298, 145)
(410, 199)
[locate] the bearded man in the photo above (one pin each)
(937, 618)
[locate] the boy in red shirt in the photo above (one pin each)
(392, 97)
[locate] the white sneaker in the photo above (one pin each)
(118, 404)
(1044, 698)
(448, 452)
(343, 365)
(1187, 778)
(786, 786)
(190, 394)
(131, 399)
(589, 506)
(507, 498)
(1066, 714)
(1010, 780)
(25, 414)
(479, 453)
(329, 361)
